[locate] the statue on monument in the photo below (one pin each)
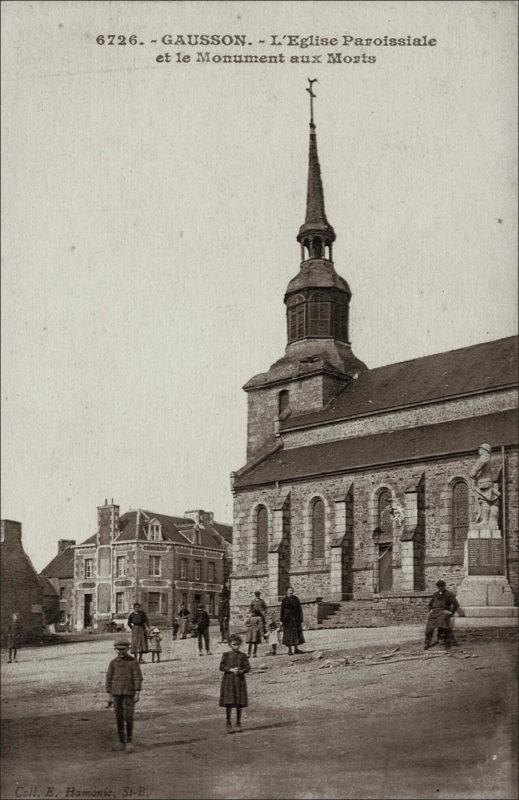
(486, 490)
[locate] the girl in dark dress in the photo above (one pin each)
(139, 625)
(291, 616)
(233, 691)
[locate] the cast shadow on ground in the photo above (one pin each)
(171, 743)
(162, 661)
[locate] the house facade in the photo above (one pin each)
(153, 559)
(358, 482)
(59, 576)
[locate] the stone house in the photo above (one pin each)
(154, 559)
(357, 482)
(20, 589)
(59, 573)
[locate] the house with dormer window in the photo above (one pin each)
(153, 559)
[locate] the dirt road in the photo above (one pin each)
(414, 724)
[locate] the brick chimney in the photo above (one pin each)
(63, 544)
(200, 517)
(11, 531)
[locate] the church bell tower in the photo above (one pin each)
(318, 360)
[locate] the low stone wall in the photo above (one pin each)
(401, 609)
(374, 612)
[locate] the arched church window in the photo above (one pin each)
(283, 399)
(384, 516)
(261, 535)
(460, 514)
(317, 514)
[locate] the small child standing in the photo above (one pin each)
(155, 644)
(123, 684)
(254, 632)
(274, 636)
(233, 691)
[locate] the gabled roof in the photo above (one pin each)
(363, 452)
(174, 529)
(225, 531)
(469, 370)
(61, 566)
(91, 540)
(48, 588)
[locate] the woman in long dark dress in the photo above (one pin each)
(291, 616)
(138, 624)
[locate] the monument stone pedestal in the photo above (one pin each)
(485, 591)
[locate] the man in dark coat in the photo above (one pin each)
(13, 637)
(223, 617)
(202, 623)
(123, 683)
(183, 619)
(291, 616)
(259, 605)
(442, 606)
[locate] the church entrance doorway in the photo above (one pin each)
(347, 574)
(87, 611)
(385, 567)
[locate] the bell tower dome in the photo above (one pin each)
(318, 299)
(318, 360)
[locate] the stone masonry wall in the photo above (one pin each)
(262, 413)
(405, 418)
(311, 579)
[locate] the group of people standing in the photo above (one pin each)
(145, 639)
(287, 629)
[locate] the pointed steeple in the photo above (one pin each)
(316, 233)
(315, 213)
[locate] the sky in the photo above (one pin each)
(150, 213)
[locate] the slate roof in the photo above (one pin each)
(48, 588)
(466, 371)
(61, 566)
(408, 444)
(174, 529)
(224, 530)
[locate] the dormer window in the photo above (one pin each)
(154, 531)
(197, 536)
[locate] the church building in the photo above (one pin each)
(357, 488)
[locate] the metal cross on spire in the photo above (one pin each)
(309, 89)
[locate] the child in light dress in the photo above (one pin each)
(155, 644)
(274, 636)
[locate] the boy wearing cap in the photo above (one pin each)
(123, 683)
